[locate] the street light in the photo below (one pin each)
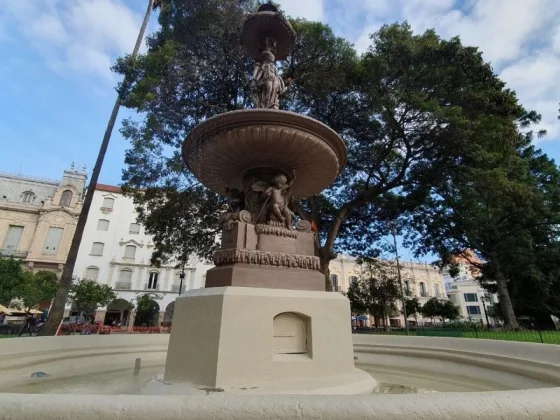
(181, 276)
(483, 300)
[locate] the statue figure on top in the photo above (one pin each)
(267, 85)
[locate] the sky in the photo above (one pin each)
(57, 89)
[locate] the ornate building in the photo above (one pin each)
(420, 280)
(116, 250)
(38, 218)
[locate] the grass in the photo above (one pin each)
(529, 336)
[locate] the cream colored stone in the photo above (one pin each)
(513, 405)
(236, 337)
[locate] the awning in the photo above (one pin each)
(31, 311)
(5, 310)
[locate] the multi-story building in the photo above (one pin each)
(38, 218)
(420, 280)
(115, 250)
(466, 293)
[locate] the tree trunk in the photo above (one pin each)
(324, 264)
(505, 301)
(503, 294)
(57, 310)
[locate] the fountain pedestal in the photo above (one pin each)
(243, 339)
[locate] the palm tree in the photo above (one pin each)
(57, 310)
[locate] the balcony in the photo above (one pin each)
(123, 285)
(13, 253)
(148, 287)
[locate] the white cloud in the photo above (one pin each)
(521, 38)
(79, 35)
(308, 9)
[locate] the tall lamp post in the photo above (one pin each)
(394, 233)
(181, 278)
(483, 300)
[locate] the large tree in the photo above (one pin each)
(408, 110)
(86, 296)
(376, 291)
(11, 279)
(506, 208)
(36, 288)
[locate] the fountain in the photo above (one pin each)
(264, 324)
(264, 321)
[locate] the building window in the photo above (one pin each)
(334, 281)
(473, 310)
(108, 203)
(438, 290)
(28, 197)
(92, 273)
(11, 241)
(423, 292)
(66, 198)
(125, 279)
(407, 287)
(130, 251)
(470, 297)
(52, 243)
(97, 248)
(134, 229)
(353, 280)
(103, 224)
(153, 280)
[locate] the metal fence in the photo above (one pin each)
(526, 335)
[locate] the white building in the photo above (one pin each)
(115, 250)
(466, 293)
(420, 280)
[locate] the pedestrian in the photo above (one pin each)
(2, 318)
(30, 321)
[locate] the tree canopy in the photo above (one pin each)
(36, 288)
(410, 110)
(25, 289)
(11, 278)
(439, 308)
(87, 295)
(376, 291)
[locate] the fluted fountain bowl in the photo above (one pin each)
(221, 150)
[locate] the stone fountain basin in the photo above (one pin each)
(222, 149)
(523, 379)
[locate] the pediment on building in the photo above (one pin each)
(131, 242)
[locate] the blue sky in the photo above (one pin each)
(57, 90)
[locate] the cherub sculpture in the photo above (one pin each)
(277, 198)
(267, 85)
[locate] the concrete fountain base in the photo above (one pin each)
(264, 341)
(523, 379)
(357, 382)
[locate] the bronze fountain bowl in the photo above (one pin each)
(222, 150)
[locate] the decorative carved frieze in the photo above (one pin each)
(276, 259)
(276, 231)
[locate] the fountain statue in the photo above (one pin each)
(264, 321)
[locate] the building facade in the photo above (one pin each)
(38, 218)
(116, 250)
(420, 280)
(466, 293)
